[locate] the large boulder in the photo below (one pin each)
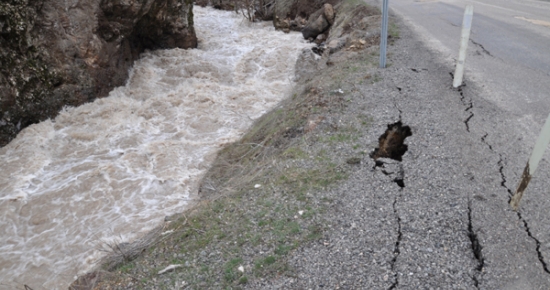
(315, 27)
(319, 22)
(293, 11)
(55, 53)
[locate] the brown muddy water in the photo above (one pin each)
(109, 171)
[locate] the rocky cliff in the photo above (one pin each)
(55, 53)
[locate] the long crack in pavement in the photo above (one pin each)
(476, 246)
(510, 192)
(396, 250)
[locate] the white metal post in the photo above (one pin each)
(533, 163)
(464, 38)
(384, 34)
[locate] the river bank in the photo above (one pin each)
(260, 201)
(107, 172)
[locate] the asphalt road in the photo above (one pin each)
(509, 49)
(507, 94)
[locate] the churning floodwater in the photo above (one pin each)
(109, 171)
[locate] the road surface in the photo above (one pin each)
(509, 49)
(508, 89)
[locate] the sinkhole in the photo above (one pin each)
(392, 145)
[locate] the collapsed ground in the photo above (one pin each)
(299, 201)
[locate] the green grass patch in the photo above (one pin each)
(126, 268)
(393, 30)
(295, 153)
(231, 272)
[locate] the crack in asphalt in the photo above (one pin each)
(396, 250)
(396, 106)
(500, 164)
(472, 235)
(399, 180)
(419, 70)
(469, 104)
(482, 48)
(539, 253)
(466, 122)
(483, 139)
(469, 107)
(502, 176)
(476, 247)
(510, 194)
(520, 217)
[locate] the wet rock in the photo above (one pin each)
(56, 53)
(319, 49)
(336, 44)
(306, 65)
(316, 27)
(328, 12)
(297, 24)
(319, 22)
(296, 11)
(320, 38)
(282, 24)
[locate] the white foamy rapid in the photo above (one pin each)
(108, 171)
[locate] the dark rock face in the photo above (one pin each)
(315, 27)
(55, 53)
(289, 13)
(319, 22)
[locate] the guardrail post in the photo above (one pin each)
(384, 34)
(532, 164)
(464, 38)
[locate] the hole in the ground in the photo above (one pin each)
(399, 182)
(391, 143)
